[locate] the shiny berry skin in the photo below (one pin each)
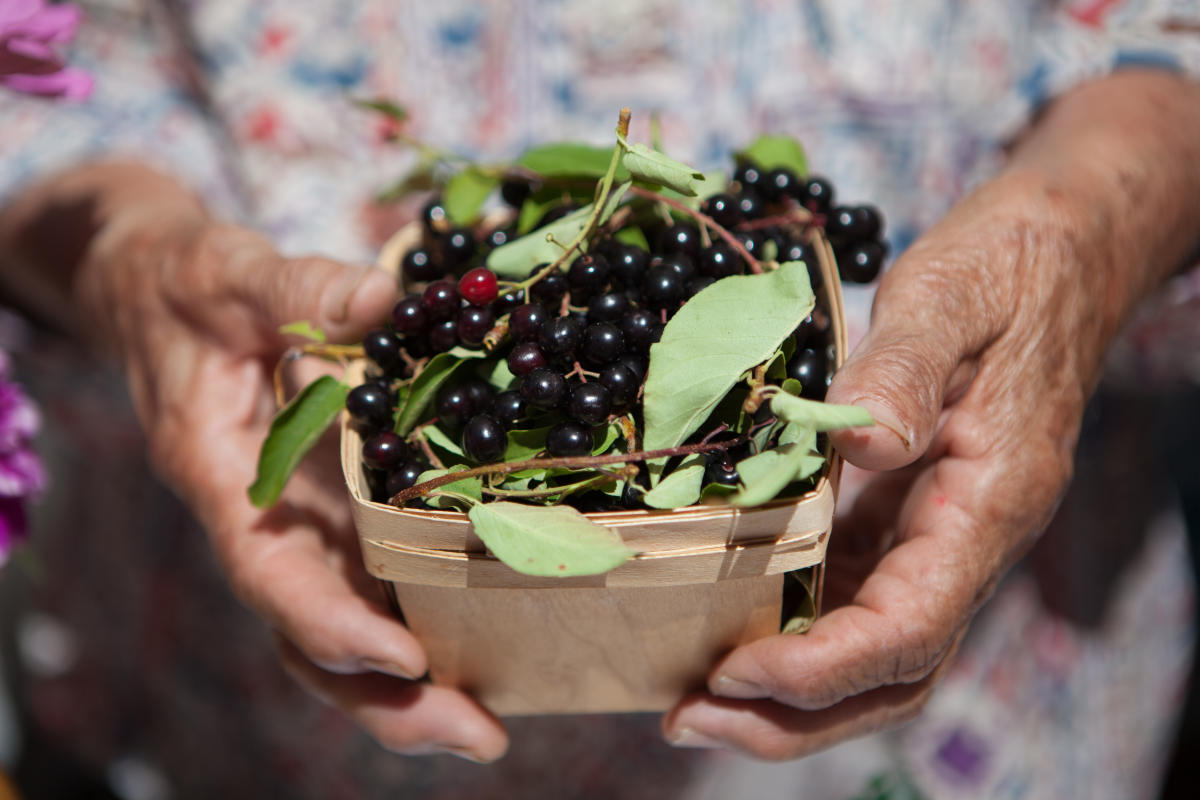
(590, 403)
(779, 183)
(723, 209)
(434, 216)
(698, 284)
(419, 267)
(498, 238)
(370, 405)
(474, 323)
(641, 329)
(810, 367)
(440, 300)
(869, 221)
(543, 388)
(663, 288)
(587, 276)
(510, 409)
(560, 337)
(482, 395)
(569, 438)
(403, 477)
(721, 470)
(683, 265)
(479, 286)
(843, 225)
(443, 335)
(408, 316)
(812, 332)
(602, 343)
(680, 238)
(861, 263)
(455, 405)
(549, 290)
(750, 204)
(753, 241)
(627, 264)
(508, 301)
(382, 347)
(720, 261)
(483, 439)
(525, 323)
(516, 191)
(622, 384)
(747, 174)
(458, 246)
(384, 450)
(525, 358)
(818, 194)
(608, 307)
(635, 364)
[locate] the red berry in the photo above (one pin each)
(479, 286)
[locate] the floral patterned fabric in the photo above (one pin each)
(1068, 684)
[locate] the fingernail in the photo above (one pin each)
(726, 686)
(388, 668)
(885, 417)
(465, 753)
(691, 738)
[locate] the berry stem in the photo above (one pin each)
(566, 462)
(703, 219)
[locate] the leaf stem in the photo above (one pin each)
(683, 208)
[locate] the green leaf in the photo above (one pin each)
(533, 209)
(680, 488)
(525, 444)
(765, 475)
(549, 541)
(518, 257)
(304, 328)
(820, 416)
(421, 179)
(438, 438)
(500, 376)
(799, 603)
(655, 167)
(449, 495)
(728, 328)
(294, 431)
(569, 160)
(465, 193)
(425, 386)
(605, 438)
(773, 151)
(632, 235)
(384, 106)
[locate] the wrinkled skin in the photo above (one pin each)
(986, 340)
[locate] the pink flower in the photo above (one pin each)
(21, 474)
(29, 63)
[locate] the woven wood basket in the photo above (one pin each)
(706, 579)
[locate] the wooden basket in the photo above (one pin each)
(706, 579)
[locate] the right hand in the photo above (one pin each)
(194, 312)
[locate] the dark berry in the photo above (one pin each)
(663, 288)
(750, 204)
(498, 238)
(382, 347)
(569, 438)
(683, 265)
(602, 343)
(526, 322)
(384, 450)
(419, 267)
(587, 276)
(608, 307)
(810, 367)
(753, 241)
(723, 209)
(443, 335)
(458, 246)
(698, 284)
(525, 358)
(680, 238)
(549, 290)
(641, 329)
(631, 496)
(720, 261)
(508, 301)
(408, 316)
(818, 194)
(403, 477)
(560, 337)
(592, 502)
(590, 403)
(482, 395)
(622, 384)
(516, 191)
(454, 405)
(543, 388)
(747, 174)
(434, 216)
(861, 262)
(483, 439)
(721, 470)
(370, 405)
(869, 221)
(479, 286)
(474, 323)
(842, 225)
(779, 183)
(510, 408)
(555, 214)
(812, 331)
(633, 363)
(627, 263)
(440, 300)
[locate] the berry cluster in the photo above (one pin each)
(576, 341)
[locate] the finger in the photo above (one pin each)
(404, 717)
(929, 321)
(776, 732)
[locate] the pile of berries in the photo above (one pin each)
(577, 341)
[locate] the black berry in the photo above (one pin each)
(587, 276)
(680, 238)
(602, 343)
(720, 261)
(663, 288)
(569, 438)
(403, 477)
(560, 337)
(419, 267)
(458, 246)
(408, 316)
(810, 367)
(443, 335)
(525, 358)
(384, 450)
(510, 409)
(382, 347)
(543, 388)
(622, 384)
(861, 263)
(440, 300)
(370, 405)
(723, 209)
(526, 322)
(483, 439)
(608, 307)
(818, 194)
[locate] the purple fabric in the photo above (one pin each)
(21, 474)
(28, 61)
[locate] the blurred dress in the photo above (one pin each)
(1071, 679)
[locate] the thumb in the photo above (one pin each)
(929, 321)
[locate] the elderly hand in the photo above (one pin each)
(986, 340)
